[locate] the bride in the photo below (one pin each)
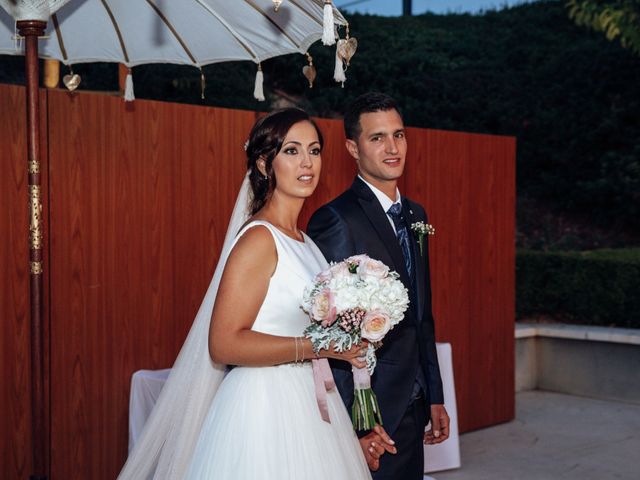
(264, 418)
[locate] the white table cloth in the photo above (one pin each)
(445, 455)
(147, 384)
(145, 390)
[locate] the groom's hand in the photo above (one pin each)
(375, 444)
(439, 430)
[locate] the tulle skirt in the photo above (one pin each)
(264, 423)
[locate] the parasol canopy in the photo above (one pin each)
(189, 32)
(32, 9)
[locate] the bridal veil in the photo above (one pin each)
(167, 442)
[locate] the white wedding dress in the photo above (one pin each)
(264, 422)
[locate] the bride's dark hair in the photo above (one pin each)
(265, 141)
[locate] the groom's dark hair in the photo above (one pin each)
(366, 103)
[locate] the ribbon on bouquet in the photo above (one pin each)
(361, 378)
(324, 382)
(365, 412)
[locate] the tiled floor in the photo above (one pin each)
(555, 436)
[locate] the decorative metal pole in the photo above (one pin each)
(31, 30)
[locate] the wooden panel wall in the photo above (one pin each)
(467, 184)
(140, 195)
(15, 391)
(139, 200)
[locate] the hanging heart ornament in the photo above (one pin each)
(309, 71)
(346, 48)
(71, 81)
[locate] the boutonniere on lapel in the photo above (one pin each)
(421, 230)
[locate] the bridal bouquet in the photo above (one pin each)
(356, 299)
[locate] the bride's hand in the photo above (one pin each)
(355, 355)
(375, 444)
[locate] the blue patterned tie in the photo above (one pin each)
(402, 232)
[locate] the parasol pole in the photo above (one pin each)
(30, 30)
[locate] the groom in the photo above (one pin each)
(372, 218)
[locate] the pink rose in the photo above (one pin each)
(375, 325)
(339, 270)
(372, 268)
(323, 310)
(357, 259)
(323, 276)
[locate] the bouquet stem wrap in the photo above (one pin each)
(365, 412)
(324, 382)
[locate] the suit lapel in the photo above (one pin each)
(418, 259)
(378, 218)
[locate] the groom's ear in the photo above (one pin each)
(352, 148)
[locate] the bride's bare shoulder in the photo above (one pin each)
(255, 247)
(257, 235)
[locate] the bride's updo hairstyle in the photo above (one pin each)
(265, 141)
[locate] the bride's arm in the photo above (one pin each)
(242, 290)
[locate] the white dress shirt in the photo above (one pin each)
(385, 201)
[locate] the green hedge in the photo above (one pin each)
(599, 287)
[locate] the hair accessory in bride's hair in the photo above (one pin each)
(246, 145)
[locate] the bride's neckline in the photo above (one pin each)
(289, 236)
(283, 232)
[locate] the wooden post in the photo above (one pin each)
(51, 73)
(31, 30)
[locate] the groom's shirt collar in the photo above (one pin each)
(385, 202)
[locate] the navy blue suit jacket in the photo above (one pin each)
(355, 223)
